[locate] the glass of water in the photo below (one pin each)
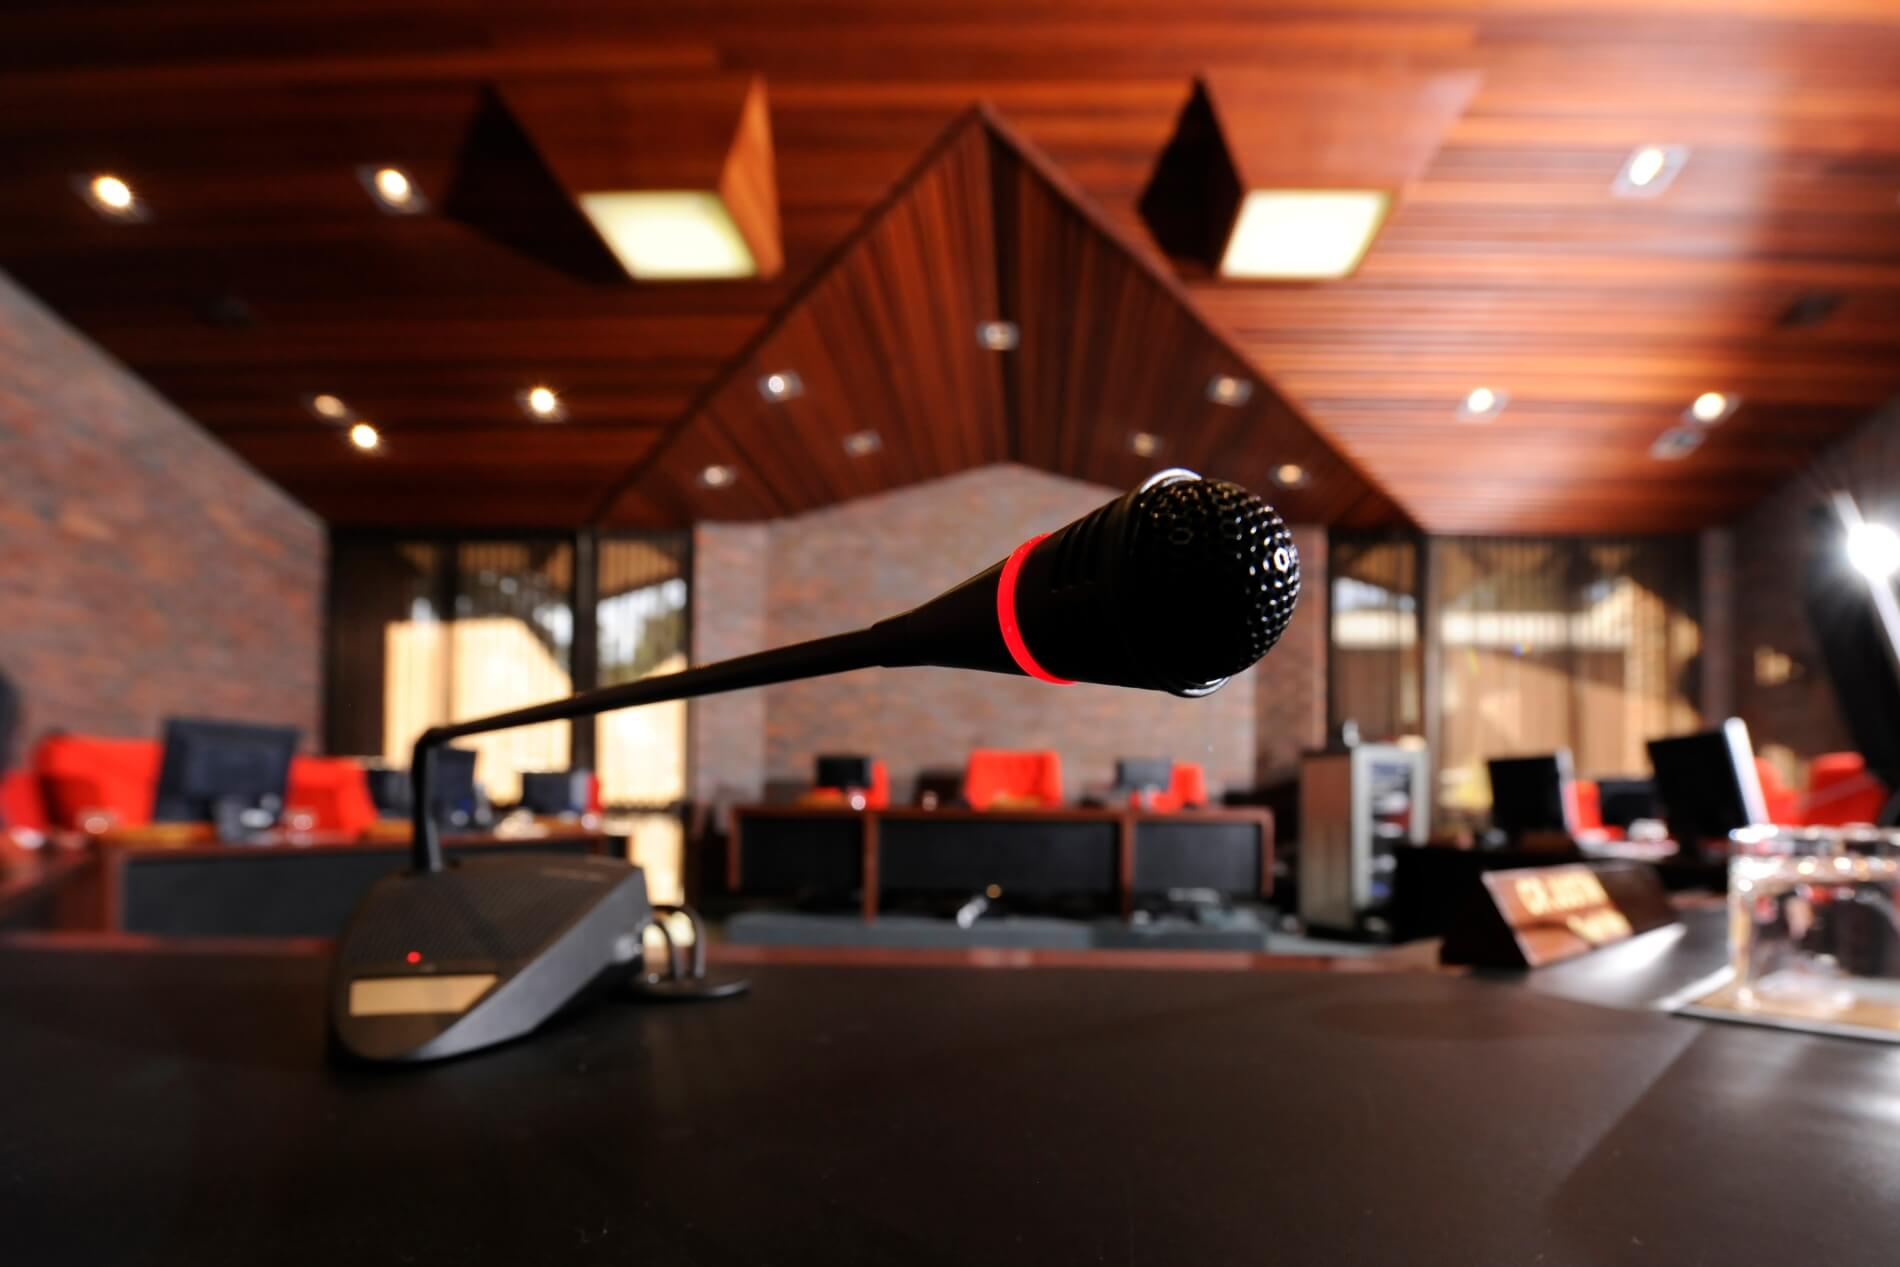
(1814, 924)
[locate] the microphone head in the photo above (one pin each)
(1213, 576)
(1176, 586)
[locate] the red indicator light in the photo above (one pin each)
(414, 956)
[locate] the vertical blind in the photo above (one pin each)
(1589, 644)
(1376, 660)
(427, 631)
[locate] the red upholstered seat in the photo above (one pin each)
(1841, 790)
(1013, 778)
(89, 772)
(1187, 789)
(21, 804)
(1586, 805)
(1783, 802)
(336, 790)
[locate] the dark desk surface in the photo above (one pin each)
(179, 1108)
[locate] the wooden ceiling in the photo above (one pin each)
(884, 342)
(1508, 264)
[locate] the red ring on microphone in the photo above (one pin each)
(1006, 616)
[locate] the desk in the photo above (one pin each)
(302, 886)
(179, 1108)
(1103, 852)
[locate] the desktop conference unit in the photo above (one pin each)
(1357, 805)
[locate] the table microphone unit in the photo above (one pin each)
(1175, 587)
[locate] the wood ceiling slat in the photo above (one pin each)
(1508, 264)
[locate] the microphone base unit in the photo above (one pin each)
(441, 963)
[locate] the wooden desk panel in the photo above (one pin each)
(181, 874)
(874, 827)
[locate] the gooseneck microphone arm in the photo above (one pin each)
(1173, 587)
(838, 653)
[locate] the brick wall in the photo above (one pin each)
(144, 570)
(847, 565)
(1770, 549)
(726, 733)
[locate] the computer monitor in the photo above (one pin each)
(1708, 785)
(1143, 774)
(231, 773)
(1621, 802)
(458, 802)
(1856, 624)
(553, 793)
(1528, 794)
(847, 772)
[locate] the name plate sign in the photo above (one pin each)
(1532, 916)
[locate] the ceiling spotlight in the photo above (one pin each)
(1144, 444)
(392, 189)
(1874, 550)
(782, 385)
(1482, 404)
(1225, 389)
(863, 443)
(1649, 170)
(998, 336)
(1711, 407)
(111, 197)
(541, 403)
(366, 437)
(1675, 444)
(1289, 475)
(718, 476)
(326, 407)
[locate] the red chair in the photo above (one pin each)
(1783, 802)
(1586, 805)
(1841, 790)
(1187, 789)
(1013, 779)
(87, 772)
(336, 790)
(21, 803)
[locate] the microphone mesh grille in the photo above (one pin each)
(1223, 574)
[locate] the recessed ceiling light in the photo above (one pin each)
(1225, 389)
(718, 476)
(1676, 443)
(998, 336)
(1649, 170)
(365, 437)
(1144, 444)
(541, 403)
(1710, 408)
(111, 197)
(1289, 475)
(393, 189)
(1482, 404)
(863, 443)
(781, 385)
(326, 407)
(1303, 234)
(670, 234)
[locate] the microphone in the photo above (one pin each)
(1175, 586)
